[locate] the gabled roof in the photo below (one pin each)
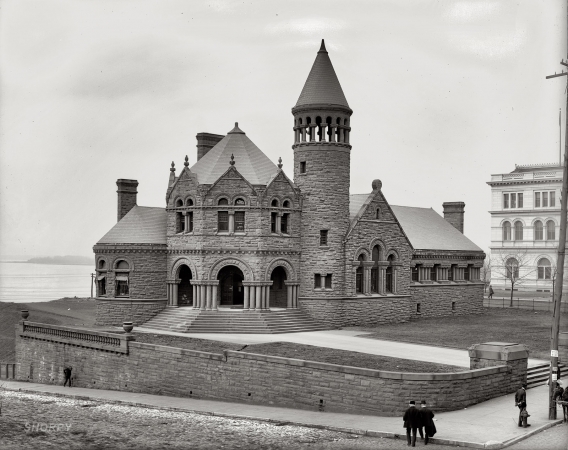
(427, 230)
(142, 225)
(250, 161)
(322, 85)
(424, 227)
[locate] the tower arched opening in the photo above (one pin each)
(278, 290)
(185, 289)
(231, 290)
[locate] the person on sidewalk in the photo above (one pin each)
(565, 404)
(491, 291)
(426, 421)
(67, 373)
(520, 398)
(524, 415)
(411, 422)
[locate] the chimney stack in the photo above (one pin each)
(126, 196)
(205, 142)
(453, 213)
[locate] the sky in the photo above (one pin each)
(444, 93)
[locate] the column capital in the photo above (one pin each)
(291, 283)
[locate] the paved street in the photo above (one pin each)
(347, 340)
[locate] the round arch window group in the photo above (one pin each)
(322, 129)
(377, 276)
(542, 231)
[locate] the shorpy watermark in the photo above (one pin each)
(46, 427)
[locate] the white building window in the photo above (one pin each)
(512, 200)
(544, 199)
(507, 231)
(538, 231)
(550, 231)
(544, 269)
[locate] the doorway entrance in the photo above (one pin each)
(231, 286)
(278, 291)
(185, 290)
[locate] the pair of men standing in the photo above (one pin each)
(415, 419)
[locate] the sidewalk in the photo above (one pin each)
(491, 424)
(350, 340)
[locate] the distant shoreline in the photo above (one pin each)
(56, 261)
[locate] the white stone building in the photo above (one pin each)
(525, 223)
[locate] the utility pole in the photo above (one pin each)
(558, 282)
(92, 283)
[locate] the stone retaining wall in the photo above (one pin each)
(261, 379)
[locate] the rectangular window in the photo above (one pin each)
(273, 222)
(190, 221)
(451, 273)
(544, 199)
(537, 199)
(284, 223)
(513, 200)
(223, 221)
(519, 200)
(121, 286)
(552, 199)
(323, 237)
(328, 281)
(375, 280)
(415, 274)
(303, 167)
(453, 306)
(505, 201)
(102, 285)
(317, 280)
(239, 221)
(418, 308)
(466, 273)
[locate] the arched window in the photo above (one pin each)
(389, 276)
(189, 202)
(507, 231)
(518, 231)
(512, 269)
(376, 254)
(359, 281)
(223, 202)
(378, 213)
(274, 203)
(550, 231)
(538, 231)
(102, 264)
(122, 279)
(240, 202)
(101, 278)
(179, 202)
(286, 204)
(223, 216)
(544, 269)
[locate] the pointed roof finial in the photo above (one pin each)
(280, 163)
(322, 48)
(186, 163)
(173, 168)
(232, 161)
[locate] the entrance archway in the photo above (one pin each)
(231, 286)
(278, 291)
(185, 290)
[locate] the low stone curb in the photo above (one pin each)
(371, 433)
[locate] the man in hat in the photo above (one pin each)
(411, 422)
(426, 421)
(520, 398)
(67, 373)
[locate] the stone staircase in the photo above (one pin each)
(189, 320)
(538, 375)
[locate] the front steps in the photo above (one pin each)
(538, 375)
(189, 320)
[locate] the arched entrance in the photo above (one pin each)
(185, 290)
(278, 291)
(231, 286)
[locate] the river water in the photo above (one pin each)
(23, 282)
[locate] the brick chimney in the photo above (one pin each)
(453, 213)
(205, 142)
(126, 196)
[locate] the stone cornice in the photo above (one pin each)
(130, 248)
(517, 182)
(230, 251)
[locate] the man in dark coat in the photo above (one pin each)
(426, 421)
(67, 373)
(520, 398)
(411, 422)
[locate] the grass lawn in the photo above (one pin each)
(300, 351)
(496, 325)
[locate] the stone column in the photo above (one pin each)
(303, 131)
(246, 297)
(208, 296)
(252, 298)
(341, 134)
(289, 297)
(203, 297)
(231, 222)
(313, 132)
(175, 293)
(194, 296)
(347, 132)
(278, 222)
(267, 297)
(395, 279)
(258, 306)
(333, 128)
(295, 290)
(323, 134)
(214, 297)
(296, 135)
(185, 221)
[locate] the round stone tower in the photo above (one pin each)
(321, 170)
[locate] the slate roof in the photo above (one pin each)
(424, 227)
(250, 161)
(322, 85)
(142, 225)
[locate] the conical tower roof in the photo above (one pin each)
(249, 160)
(322, 85)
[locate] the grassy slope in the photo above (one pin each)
(496, 325)
(66, 311)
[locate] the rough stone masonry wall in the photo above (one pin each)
(115, 312)
(251, 378)
(360, 311)
(436, 299)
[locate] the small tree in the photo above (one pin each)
(515, 267)
(486, 273)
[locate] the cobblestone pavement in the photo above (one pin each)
(555, 438)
